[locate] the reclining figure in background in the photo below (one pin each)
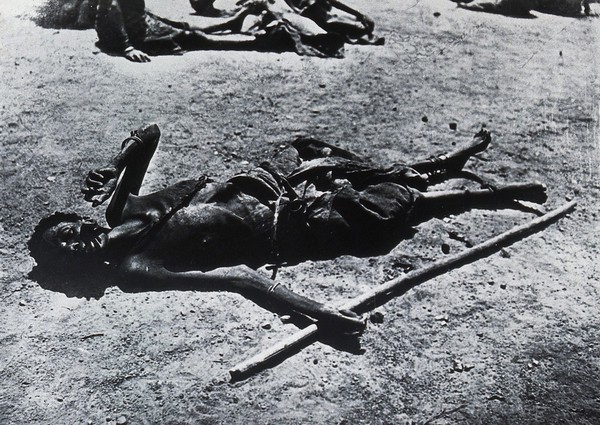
(126, 27)
(308, 16)
(206, 235)
(522, 8)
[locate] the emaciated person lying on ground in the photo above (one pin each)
(522, 8)
(126, 28)
(212, 236)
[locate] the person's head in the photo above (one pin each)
(66, 237)
(63, 264)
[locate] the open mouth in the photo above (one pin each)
(93, 238)
(95, 243)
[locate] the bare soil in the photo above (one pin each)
(510, 339)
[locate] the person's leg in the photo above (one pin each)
(586, 7)
(517, 8)
(352, 29)
(454, 161)
(232, 24)
(321, 158)
(440, 204)
(197, 40)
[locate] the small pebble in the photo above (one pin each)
(376, 317)
(436, 14)
(452, 126)
(266, 326)
(424, 118)
(445, 248)
(121, 420)
(503, 285)
(497, 396)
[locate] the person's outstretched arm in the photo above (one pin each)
(244, 280)
(132, 161)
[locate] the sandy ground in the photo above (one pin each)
(522, 326)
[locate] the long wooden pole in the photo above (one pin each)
(399, 285)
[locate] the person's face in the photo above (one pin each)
(82, 236)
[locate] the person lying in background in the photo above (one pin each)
(523, 8)
(331, 16)
(127, 28)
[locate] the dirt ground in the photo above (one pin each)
(510, 339)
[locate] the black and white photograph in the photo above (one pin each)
(290, 212)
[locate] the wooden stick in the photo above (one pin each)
(400, 285)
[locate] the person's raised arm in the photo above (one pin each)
(132, 161)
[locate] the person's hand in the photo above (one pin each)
(100, 185)
(344, 321)
(135, 55)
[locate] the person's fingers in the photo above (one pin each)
(88, 192)
(97, 179)
(99, 199)
(93, 184)
(349, 313)
(97, 188)
(95, 176)
(138, 56)
(91, 197)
